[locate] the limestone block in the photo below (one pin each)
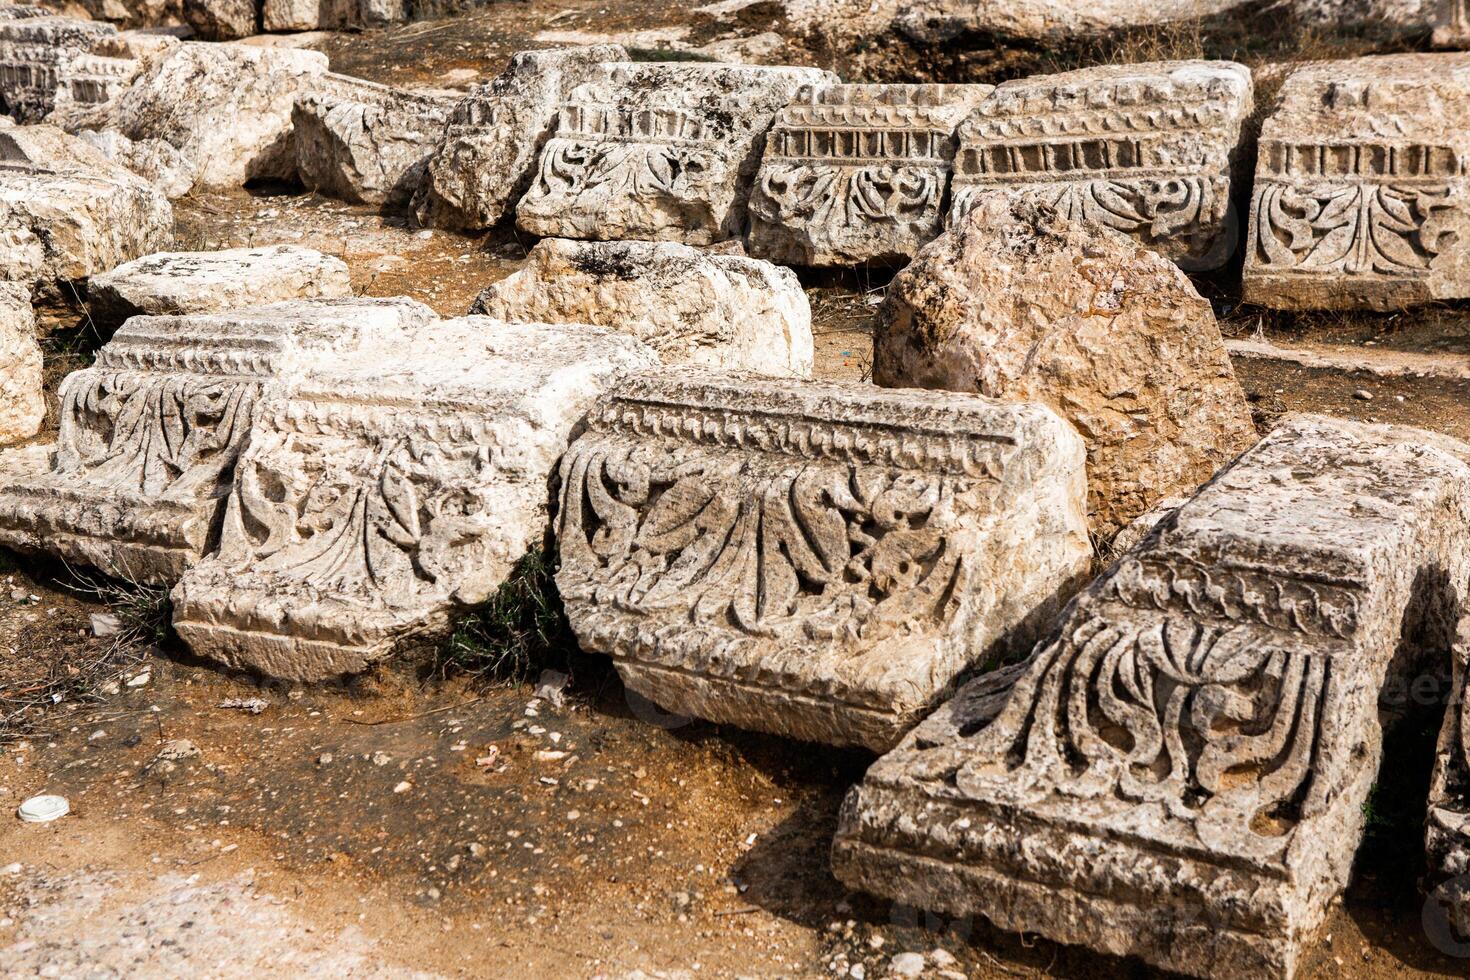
(488, 154)
(396, 489)
(1360, 186)
(364, 142)
(222, 20)
(227, 107)
(22, 404)
(1447, 825)
(150, 434)
(1110, 334)
(937, 21)
(716, 311)
(328, 15)
(815, 560)
(1144, 149)
(1451, 25)
(1179, 771)
(176, 283)
(67, 213)
(36, 64)
(857, 173)
(663, 152)
(153, 160)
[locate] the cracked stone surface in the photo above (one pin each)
(22, 404)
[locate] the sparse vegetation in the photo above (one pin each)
(521, 630)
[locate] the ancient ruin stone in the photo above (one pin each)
(172, 283)
(495, 135)
(67, 213)
(153, 160)
(857, 173)
(150, 434)
(1180, 771)
(814, 560)
(1144, 149)
(332, 15)
(717, 311)
(227, 107)
(222, 20)
(1451, 25)
(397, 488)
(22, 404)
(937, 21)
(46, 60)
(1110, 334)
(364, 142)
(1359, 186)
(1447, 826)
(662, 152)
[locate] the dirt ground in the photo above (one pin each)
(412, 824)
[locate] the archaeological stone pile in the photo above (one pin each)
(1168, 758)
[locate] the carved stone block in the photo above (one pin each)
(857, 173)
(717, 311)
(173, 283)
(42, 58)
(67, 212)
(1360, 186)
(489, 149)
(1179, 771)
(331, 15)
(814, 560)
(150, 434)
(661, 152)
(393, 491)
(22, 405)
(1144, 149)
(364, 142)
(1447, 826)
(937, 21)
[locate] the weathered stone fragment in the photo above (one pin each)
(937, 21)
(364, 142)
(857, 173)
(22, 405)
(67, 213)
(1451, 25)
(1144, 149)
(1180, 771)
(716, 311)
(329, 15)
(1110, 334)
(663, 152)
(153, 160)
(222, 20)
(395, 489)
(45, 59)
(227, 107)
(814, 560)
(176, 283)
(1360, 186)
(489, 150)
(1447, 827)
(150, 434)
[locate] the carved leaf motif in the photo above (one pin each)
(850, 197)
(1358, 229)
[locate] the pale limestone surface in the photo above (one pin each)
(226, 107)
(42, 57)
(154, 160)
(396, 488)
(1360, 186)
(941, 20)
(1451, 24)
(1180, 771)
(222, 20)
(1110, 334)
(150, 434)
(662, 152)
(1447, 825)
(857, 173)
(22, 404)
(1145, 149)
(715, 311)
(172, 283)
(327, 15)
(816, 560)
(364, 142)
(67, 212)
(489, 150)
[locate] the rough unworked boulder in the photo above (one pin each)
(222, 20)
(209, 282)
(364, 142)
(1017, 303)
(937, 21)
(489, 150)
(22, 405)
(719, 311)
(154, 160)
(326, 15)
(227, 107)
